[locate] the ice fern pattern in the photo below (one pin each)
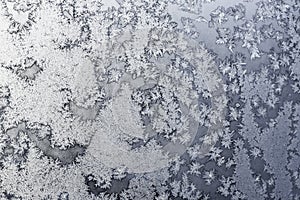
(148, 99)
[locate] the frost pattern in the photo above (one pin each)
(149, 99)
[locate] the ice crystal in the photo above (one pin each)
(148, 99)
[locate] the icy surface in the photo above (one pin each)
(148, 99)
